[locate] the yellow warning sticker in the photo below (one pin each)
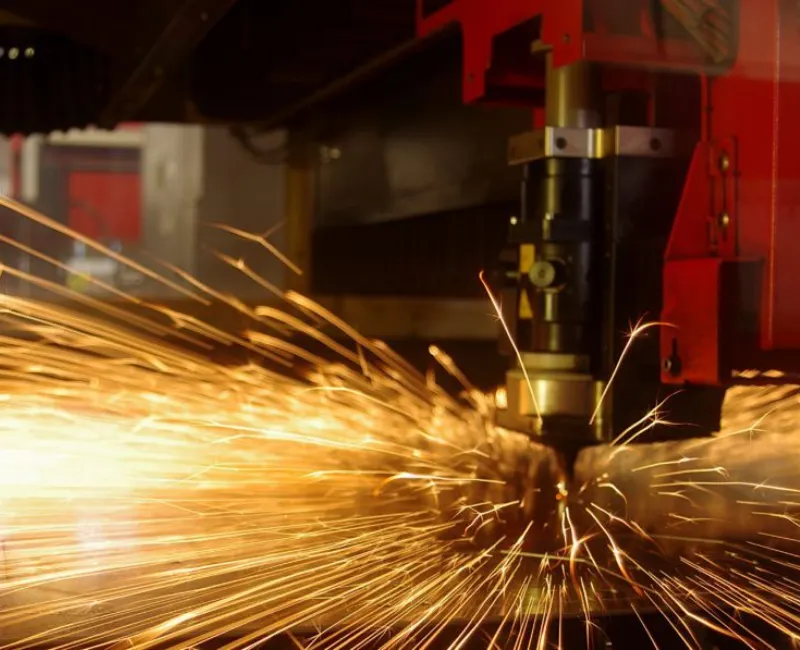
(525, 311)
(527, 256)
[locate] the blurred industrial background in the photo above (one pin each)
(369, 141)
(272, 117)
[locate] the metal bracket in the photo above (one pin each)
(562, 142)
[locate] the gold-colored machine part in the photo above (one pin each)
(561, 385)
(570, 95)
(555, 383)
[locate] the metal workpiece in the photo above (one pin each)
(595, 143)
(738, 486)
(515, 470)
(733, 488)
(766, 402)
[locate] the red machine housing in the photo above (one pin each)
(739, 214)
(96, 187)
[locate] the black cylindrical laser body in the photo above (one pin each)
(554, 277)
(564, 283)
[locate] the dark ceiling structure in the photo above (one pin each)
(66, 65)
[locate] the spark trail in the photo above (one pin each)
(150, 497)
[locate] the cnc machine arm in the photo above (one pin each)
(660, 181)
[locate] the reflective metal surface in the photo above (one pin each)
(577, 142)
(740, 486)
(566, 394)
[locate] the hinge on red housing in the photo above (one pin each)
(722, 222)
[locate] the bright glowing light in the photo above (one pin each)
(150, 496)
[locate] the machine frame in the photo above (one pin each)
(729, 264)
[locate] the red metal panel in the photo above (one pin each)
(105, 205)
(753, 114)
(690, 231)
(483, 20)
(691, 307)
(748, 211)
(643, 52)
(699, 243)
(744, 107)
(752, 124)
(562, 28)
(781, 320)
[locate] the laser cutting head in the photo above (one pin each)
(582, 265)
(614, 232)
(658, 185)
(552, 391)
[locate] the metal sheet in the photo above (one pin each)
(738, 486)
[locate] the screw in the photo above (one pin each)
(543, 274)
(724, 163)
(561, 143)
(724, 220)
(513, 221)
(672, 365)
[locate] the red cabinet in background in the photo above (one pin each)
(105, 205)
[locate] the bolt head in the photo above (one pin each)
(542, 274)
